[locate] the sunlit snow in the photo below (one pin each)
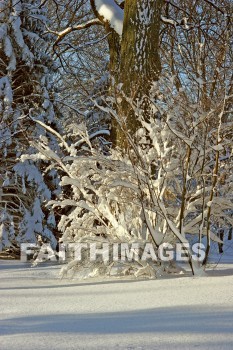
(112, 13)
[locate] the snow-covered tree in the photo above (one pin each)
(145, 36)
(164, 181)
(26, 103)
(167, 188)
(168, 176)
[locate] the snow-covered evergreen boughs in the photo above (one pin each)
(25, 94)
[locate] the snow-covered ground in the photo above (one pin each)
(40, 311)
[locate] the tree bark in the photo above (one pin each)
(134, 62)
(139, 63)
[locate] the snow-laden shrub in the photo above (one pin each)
(25, 95)
(173, 180)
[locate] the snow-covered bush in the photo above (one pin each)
(25, 96)
(172, 181)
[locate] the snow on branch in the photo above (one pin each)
(168, 21)
(112, 13)
(63, 33)
(51, 130)
(182, 22)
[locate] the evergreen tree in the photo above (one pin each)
(26, 105)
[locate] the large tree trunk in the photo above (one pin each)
(140, 62)
(134, 62)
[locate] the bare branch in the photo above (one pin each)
(62, 34)
(215, 6)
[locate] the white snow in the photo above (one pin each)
(39, 311)
(111, 13)
(168, 20)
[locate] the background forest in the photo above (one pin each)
(116, 124)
